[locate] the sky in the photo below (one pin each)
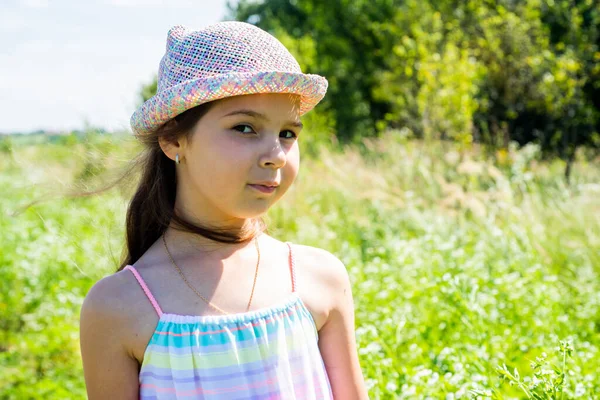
(67, 64)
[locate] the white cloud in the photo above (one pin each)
(12, 22)
(35, 3)
(36, 47)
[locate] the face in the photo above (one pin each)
(240, 141)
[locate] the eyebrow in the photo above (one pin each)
(257, 115)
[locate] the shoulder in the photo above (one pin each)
(110, 306)
(109, 296)
(324, 266)
(313, 263)
(323, 282)
(106, 327)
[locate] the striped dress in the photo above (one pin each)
(269, 353)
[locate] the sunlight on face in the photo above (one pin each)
(241, 141)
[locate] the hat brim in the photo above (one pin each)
(170, 102)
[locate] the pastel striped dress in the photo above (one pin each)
(269, 353)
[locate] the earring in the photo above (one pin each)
(177, 158)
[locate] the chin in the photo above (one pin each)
(254, 212)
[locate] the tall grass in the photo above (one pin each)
(473, 276)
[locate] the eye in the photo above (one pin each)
(294, 136)
(242, 126)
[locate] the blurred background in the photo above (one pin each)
(458, 143)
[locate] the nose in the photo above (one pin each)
(274, 155)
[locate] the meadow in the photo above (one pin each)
(475, 275)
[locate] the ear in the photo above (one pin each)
(173, 147)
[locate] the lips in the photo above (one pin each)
(263, 188)
(266, 183)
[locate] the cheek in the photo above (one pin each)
(292, 166)
(219, 164)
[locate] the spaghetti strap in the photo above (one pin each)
(292, 267)
(145, 289)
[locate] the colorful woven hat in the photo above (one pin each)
(225, 59)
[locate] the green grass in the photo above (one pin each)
(460, 264)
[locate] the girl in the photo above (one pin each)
(206, 304)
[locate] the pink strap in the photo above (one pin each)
(145, 289)
(292, 267)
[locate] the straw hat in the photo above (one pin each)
(225, 59)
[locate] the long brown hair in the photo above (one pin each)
(151, 209)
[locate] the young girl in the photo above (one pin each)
(206, 304)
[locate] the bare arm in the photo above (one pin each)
(337, 340)
(110, 371)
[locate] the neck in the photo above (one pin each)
(185, 244)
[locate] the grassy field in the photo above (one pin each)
(461, 263)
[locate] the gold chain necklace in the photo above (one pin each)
(204, 298)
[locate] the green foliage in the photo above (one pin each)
(430, 83)
(547, 383)
(483, 71)
(5, 145)
(42, 283)
(460, 264)
(446, 97)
